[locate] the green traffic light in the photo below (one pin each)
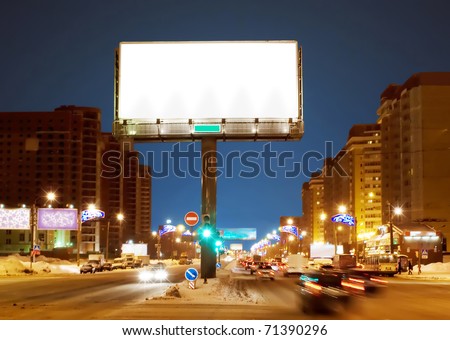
(218, 243)
(206, 233)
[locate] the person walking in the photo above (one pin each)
(399, 267)
(410, 267)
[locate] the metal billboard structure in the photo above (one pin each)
(208, 92)
(230, 90)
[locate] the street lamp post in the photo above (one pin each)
(51, 196)
(120, 218)
(397, 211)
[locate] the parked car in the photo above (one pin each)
(185, 260)
(137, 263)
(119, 263)
(107, 266)
(265, 271)
(87, 268)
(96, 265)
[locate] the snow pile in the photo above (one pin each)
(20, 265)
(222, 289)
(437, 267)
(11, 265)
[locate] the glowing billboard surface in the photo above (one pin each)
(15, 218)
(238, 233)
(57, 219)
(179, 90)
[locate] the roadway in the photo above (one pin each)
(120, 295)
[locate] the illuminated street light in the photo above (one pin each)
(120, 218)
(290, 221)
(323, 217)
(342, 209)
(168, 221)
(50, 197)
(397, 211)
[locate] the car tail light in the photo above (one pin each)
(352, 285)
(356, 280)
(378, 280)
(313, 285)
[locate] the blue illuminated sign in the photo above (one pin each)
(344, 218)
(91, 214)
(291, 229)
(167, 228)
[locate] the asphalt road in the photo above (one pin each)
(120, 295)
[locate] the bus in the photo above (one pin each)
(384, 264)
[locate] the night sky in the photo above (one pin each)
(62, 53)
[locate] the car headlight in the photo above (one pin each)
(145, 275)
(161, 275)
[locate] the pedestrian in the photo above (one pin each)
(418, 268)
(399, 267)
(410, 267)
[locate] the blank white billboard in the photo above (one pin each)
(15, 219)
(208, 80)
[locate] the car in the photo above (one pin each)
(159, 265)
(253, 266)
(265, 271)
(153, 274)
(278, 266)
(96, 265)
(184, 260)
(107, 266)
(87, 268)
(119, 263)
(137, 263)
(317, 298)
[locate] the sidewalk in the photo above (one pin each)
(435, 276)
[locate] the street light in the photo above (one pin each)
(302, 236)
(290, 238)
(397, 211)
(51, 196)
(120, 218)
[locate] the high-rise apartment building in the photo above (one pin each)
(64, 152)
(313, 198)
(43, 152)
(415, 123)
(351, 180)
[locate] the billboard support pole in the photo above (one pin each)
(209, 194)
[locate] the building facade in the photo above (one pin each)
(415, 123)
(62, 152)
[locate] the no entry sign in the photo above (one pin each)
(191, 218)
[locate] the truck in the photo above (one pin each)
(97, 261)
(144, 259)
(295, 264)
(129, 259)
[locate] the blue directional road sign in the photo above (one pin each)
(191, 274)
(218, 265)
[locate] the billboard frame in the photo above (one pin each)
(231, 129)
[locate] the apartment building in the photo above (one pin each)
(415, 123)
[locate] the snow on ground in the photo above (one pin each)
(220, 290)
(16, 265)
